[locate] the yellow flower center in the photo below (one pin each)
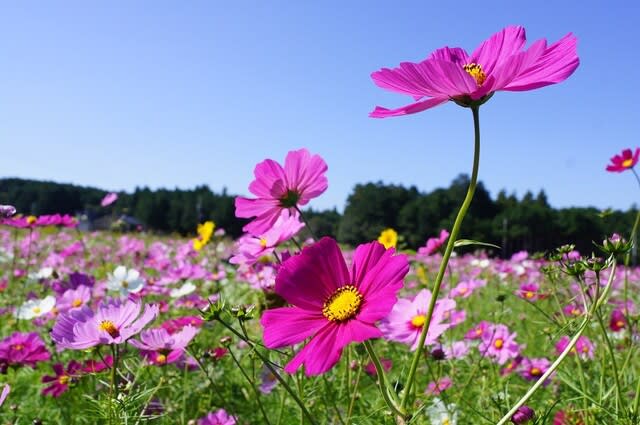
(479, 331)
(76, 303)
(475, 70)
(109, 327)
(31, 219)
(627, 163)
(462, 290)
(528, 294)
(161, 359)
(17, 347)
(585, 349)
(64, 379)
(576, 312)
(124, 284)
(535, 371)
(446, 421)
(498, 343)
(36, 310)
(263, 242)
(620, 324)
(343, 304)
(418, 321)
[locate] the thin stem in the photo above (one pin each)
(114, 373)
(304, 219)
(445, 258)
(568, 348)
(251, 384)
(382, 381)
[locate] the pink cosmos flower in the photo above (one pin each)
(251, 248)
(22, 349)
(277, 188)
(7, 211)
(433, 244)
(499, 344)
(404, 323)
(73, 298)
(584, 347)
(109, 199)
(62, 379)
(160, 347)
(114, 322)
(5, 393)
(532, 369)
(332, 305)
(456, 350)
(625, 161)
(477, 331)
(442, 384)
(499, 63)
(618, 321)
(530, 292)
(97, 366)
(512, 365)
(219, 417)
(465, 288)
(175, 325)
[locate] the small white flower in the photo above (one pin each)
(185, 289)
(125, 281)
(43, 273)
(35, 308)
(441, 414)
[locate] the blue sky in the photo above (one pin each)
(165, 94)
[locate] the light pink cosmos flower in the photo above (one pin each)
(530, 292)
(109, 199)
(433, 244)
(625, 161)
(455, 350)
(532, 369)
(332, 304)
(114, 322)
(251, 248)
(219, 417)
(465, 288)
(442, 384)
(160, 347)
(477, 331)
(499, 63)
(73, 298)
(499, 344)
(404, 323)
(277, 188)
(584, 347)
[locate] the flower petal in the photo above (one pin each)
(497, 48)
(289, 325)
(381, 112)
(308, 279)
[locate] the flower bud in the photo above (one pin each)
(523, 415)
(616, 245)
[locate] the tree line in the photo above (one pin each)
(526, 223)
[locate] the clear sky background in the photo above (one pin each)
(164, 94)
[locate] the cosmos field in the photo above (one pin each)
(285, 327)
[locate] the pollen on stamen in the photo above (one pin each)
(343, 304)
(475, 70)
(109, 327)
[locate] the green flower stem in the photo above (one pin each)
(252, 384)
(588, 315)
(269, 366)
(445, 259)
(304, 220)
(389, 397)
(114, 372)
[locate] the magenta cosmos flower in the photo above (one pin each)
(59, 383)
(113, 323)
(499, 344)
(404, 323)
(277, 188)
(160, 347)
(22, 349)
(332, 305)
(625, 161)
(499, 63)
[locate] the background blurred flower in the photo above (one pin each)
(109, 199)
(624, 161)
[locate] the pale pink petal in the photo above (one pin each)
(267, 174)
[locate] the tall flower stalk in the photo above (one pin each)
(447, 254)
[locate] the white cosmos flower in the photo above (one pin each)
(185, 289)
(127, 281)
(35, 308)
(441, 414)
(43, 273)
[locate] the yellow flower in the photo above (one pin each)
(388, 238)
(205, 231)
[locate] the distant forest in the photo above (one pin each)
(527, 223)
